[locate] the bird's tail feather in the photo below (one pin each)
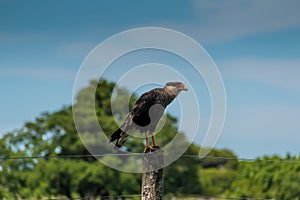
(116, 135)
(120, 136)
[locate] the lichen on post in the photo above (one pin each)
(152, 182)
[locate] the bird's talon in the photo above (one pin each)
(151, 148)
(148, 147)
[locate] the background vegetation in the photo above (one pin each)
(54, 134)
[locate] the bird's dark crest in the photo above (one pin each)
(173, 83)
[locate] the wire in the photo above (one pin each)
(243, 159)
(95, 197)
(217, 197)
(171, 197)
(131, 154)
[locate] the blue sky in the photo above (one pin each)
(255, 44)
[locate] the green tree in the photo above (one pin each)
(268, 179)
(53, 135)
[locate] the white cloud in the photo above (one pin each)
(264, 121)
(38, 73)
(259, 129)
(228, 20)
(278, 73)
(76, 48)
(5, 128)
(272, 126)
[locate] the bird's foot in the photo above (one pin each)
(150, 148)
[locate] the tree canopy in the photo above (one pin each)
(44, 170)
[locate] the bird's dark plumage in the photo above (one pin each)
(147, 111)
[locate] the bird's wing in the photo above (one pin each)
(141, 106)
(144, 103)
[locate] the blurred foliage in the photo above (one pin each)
(53, 134)
(266, 179)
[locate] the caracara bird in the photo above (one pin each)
(146, 113)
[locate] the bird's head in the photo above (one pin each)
(175, 87)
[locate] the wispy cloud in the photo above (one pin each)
(76, 48)
(256, 122)
(38, 73)
(279, 73)
(222, 21)
(260, 129)
(264, 121)
(5, 128)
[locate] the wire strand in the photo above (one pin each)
(131, 154)
(136, 195)
(171, 197)
(95, 197)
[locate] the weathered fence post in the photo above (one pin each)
(152, 182)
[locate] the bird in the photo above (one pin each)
(146, 113)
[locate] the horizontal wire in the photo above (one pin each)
(130, 154)
(218, 197)
(243, 159)
(95, 197)
(135, 154)
(172, 196)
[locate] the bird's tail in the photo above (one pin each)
(120, 136)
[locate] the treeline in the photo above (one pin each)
(54, 134)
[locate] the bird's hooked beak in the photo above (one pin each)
(183, 87)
